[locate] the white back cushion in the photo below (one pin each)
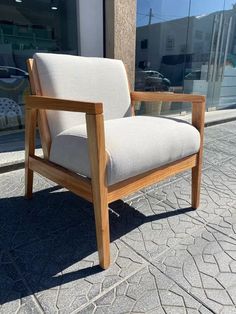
(83, 79)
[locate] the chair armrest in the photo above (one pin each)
(50, 103)
(198, 102)
(163, 96)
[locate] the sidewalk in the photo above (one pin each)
(12, 154)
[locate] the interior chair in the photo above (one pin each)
(94, 145)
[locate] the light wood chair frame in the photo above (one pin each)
(96, 189)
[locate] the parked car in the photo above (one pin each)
(151, 80)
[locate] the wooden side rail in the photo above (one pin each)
(50, 103)
(64, 177)
(83, 187)
(131, 185)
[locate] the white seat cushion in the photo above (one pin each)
(134, 145)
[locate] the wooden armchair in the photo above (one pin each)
(103, 161)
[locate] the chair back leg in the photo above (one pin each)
(29, 176)
(101, 214)
(30, 129)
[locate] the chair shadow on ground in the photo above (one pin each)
(50, 237)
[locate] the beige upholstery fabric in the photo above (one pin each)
(134, 145)
(84, 79)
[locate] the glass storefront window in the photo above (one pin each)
(160, 66)
(189, 47)
(27, 27)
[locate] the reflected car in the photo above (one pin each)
(151, 80)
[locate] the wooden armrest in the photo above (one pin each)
(198, 102)
(50, 103)
(163, 96)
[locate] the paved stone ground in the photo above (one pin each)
(166, 258)
(12, 148)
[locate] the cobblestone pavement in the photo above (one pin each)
(166, 257)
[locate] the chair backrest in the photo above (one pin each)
(85, 79)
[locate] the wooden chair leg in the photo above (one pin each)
(30, 129)
(196, 184)
(29, 176)
(101, 214)
(97, 154)
(198, 117)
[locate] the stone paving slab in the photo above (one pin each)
(214, 157)
(63, 272)
(206, 268)
(148, 291)
(150, 226)
(226, 222)
(12, 148)
(219, 132)
(223, 146)
(177, 195)
(222, 179)
(219, 144)
(12, 300)
(229, 126)
(8, 159)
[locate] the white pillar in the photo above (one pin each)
(90, 27)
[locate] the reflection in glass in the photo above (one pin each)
(27, 27)
(161, 39)
(190, 44)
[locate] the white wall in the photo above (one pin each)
(90, 27)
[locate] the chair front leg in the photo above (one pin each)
(101, 214)
(97, 154)
(30, 130)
